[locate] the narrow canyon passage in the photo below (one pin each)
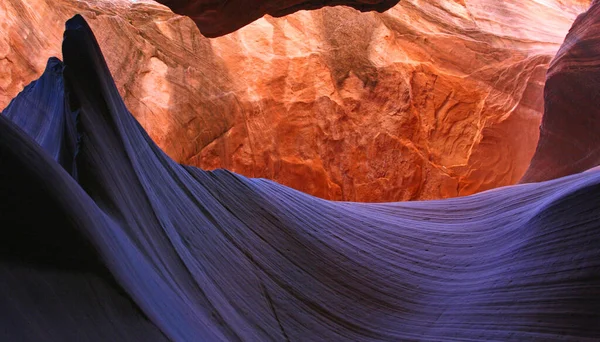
(107, 236)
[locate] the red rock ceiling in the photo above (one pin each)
(216, 18)
(427, 100)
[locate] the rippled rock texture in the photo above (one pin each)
(105, 238)
(569, 139)
(431, 99)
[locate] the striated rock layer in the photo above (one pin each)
(105, 238)
(216, 18)
(428, 100)
(569, 134)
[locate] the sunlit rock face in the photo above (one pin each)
(427, 100)
(569, 136)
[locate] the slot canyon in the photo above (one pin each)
(360, 170)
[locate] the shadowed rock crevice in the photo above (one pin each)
(569, 140)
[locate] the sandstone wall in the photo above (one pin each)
(427, 100)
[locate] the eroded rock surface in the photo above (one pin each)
(569, 140)
(427, 100)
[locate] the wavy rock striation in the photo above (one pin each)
(107, 238)
(569, 140)
(428, 100)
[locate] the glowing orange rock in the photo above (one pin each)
(427, 100)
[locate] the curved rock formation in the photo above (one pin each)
(432, 99)
(106, 238)
(216, 18)
(569, 140)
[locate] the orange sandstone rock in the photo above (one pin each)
(427, 100)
